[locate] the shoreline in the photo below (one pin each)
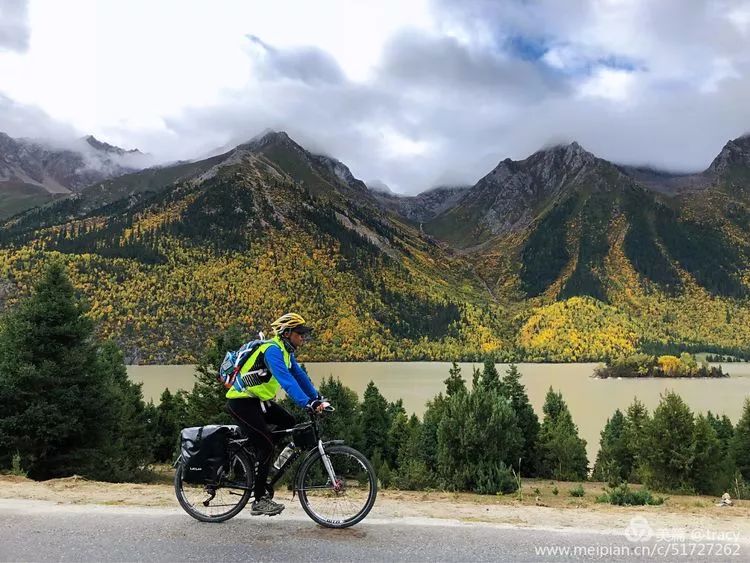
(660, 377)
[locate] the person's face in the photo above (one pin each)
(296, 339)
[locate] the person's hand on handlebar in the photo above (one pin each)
(319, 405)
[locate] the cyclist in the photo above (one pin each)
(270, 367)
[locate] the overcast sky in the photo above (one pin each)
(410, 92)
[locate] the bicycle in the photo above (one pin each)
(336, 484)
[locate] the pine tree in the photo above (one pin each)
(526, 418)
(395, 408)
(345, 424)
(169, 419)
(725, 433)
(205, 403)
(51, 396)
(127, 448)
(476, 377)
(724, 430)
(612, 462)
(669, 441)
(398, 433)
(490, 377)
(478, 439)
(412, 469)
(634, 438)
(562, 451)
(433, 414)
(375, 423)
(707, 475)
(740, 446)
(455, 383)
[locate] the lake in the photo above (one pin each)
(591, 401)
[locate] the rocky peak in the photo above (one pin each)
(544, 171)
(273, 140)
(270, 138)
(735, 153)
(510, 196)
(340, 170)
(424, 206)
(564, 157)
(61, 170)
(106, 147)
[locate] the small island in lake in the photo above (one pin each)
(646, 365)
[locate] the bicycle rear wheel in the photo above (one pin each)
(345, 501)
(222, 501)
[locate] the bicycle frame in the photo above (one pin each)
(296, 453)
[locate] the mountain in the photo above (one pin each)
(667, 183)
(264, 228)
(318, 174)
(379, 187)
(554, 214)
(562, 256)
(103, 147)
(424, 206)
(513, 193)
(32, 173)
(734, 159)
(670, 251)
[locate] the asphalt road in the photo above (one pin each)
(40, 531)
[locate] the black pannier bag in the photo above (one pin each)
(203, 450)
(304, 436)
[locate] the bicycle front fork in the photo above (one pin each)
(329, 467)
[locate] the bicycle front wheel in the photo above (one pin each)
(343, 501)
(221, 501)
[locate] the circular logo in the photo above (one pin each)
(638, 530)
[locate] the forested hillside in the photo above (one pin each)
(667, 264)
(560, 257)
(269, 229)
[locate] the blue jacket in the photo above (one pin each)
(294, 381)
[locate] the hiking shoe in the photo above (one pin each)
(265, 506)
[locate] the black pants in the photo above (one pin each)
(254, 422)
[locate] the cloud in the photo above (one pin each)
(23, 120)
(610, 84)
(739, 15)
(663, 83)
(14, 25)
(429, 103)
(440, 109)
(415, 60)
(310, 65)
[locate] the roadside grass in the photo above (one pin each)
(541, 492)
(156, 474)
(156, 490)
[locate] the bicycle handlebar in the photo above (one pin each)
(327, 409)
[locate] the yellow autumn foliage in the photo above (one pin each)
(578, 329)
(670, 365)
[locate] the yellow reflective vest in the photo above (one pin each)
(255, 380)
